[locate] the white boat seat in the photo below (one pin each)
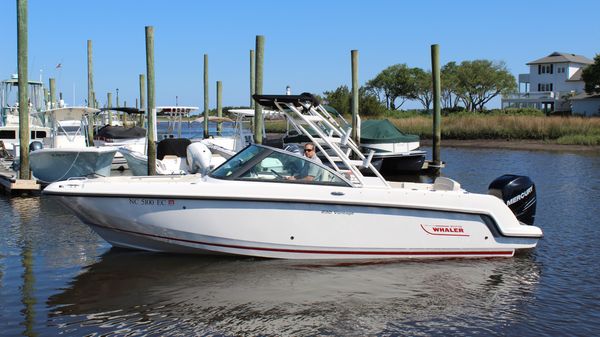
(445, 184)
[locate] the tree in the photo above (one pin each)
(341, 100)
(449, 80)
(591, 77)
(423, 87)
(481, 80)
(393, 83)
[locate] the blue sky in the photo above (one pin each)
(307, 46)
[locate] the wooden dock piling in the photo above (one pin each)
(143, 99)
(23, 92)
(151, 107)
(52, 84)
(437, 135)
(258, 119)
(219, 105)
(206, 108)
(252, 78)
(108, 106)
(355, 87)
(91, 98)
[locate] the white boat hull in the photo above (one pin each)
(313, 228)
(50, 165)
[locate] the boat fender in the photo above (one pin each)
(518, 193)
(198, 158)
(35, 145)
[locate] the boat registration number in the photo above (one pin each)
(151, 202)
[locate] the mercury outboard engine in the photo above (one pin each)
(518, 193)
(35, 145)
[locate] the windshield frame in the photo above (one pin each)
(266, 151)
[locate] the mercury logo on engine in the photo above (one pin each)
(446, 230)
(520, 196)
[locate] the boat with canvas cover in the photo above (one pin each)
(249, 207)
(116, 135)
(396, 151)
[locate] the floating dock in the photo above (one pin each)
(11, 185)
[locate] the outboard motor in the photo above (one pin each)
(198, 158)
(518, 193)
(35, 145)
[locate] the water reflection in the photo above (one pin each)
(161, 294)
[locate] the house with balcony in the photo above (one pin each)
(551, 82)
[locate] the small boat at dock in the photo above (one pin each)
(248, 206)
(65, 153)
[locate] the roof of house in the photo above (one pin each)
(557, 57)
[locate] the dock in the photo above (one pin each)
(11, 185)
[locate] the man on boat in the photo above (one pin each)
(308, 172)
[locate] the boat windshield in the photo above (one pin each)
(69, 130)
(259, 163)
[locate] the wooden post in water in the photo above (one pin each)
(23, 90)
(46, 98)
(355, 126)
(52, 93)
(252, 78)
(437, 133)
(108, 106)
(91, 99)
(206, 108)
(143, 99)
(219, 105)
(151, 113)
(258, 119)
(90, 74)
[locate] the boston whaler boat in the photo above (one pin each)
(248, 206)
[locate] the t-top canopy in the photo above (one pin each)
(297, 100)
(383, 131)
(128, 110)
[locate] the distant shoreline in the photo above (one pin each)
(514, 144)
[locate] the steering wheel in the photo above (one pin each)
(279, 176)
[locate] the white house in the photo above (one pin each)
(550, 82)
(586, 105)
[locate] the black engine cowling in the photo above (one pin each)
(35, 145)
(518, 193)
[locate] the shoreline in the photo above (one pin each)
(514, 144)
(509, 144)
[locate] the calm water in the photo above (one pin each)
(58, 277)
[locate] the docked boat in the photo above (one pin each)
(248, 206)
(65, 153)
(116, 135)
(9, 115)
(172, 154)
(394, 151)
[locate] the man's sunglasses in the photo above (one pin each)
(308, 150)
